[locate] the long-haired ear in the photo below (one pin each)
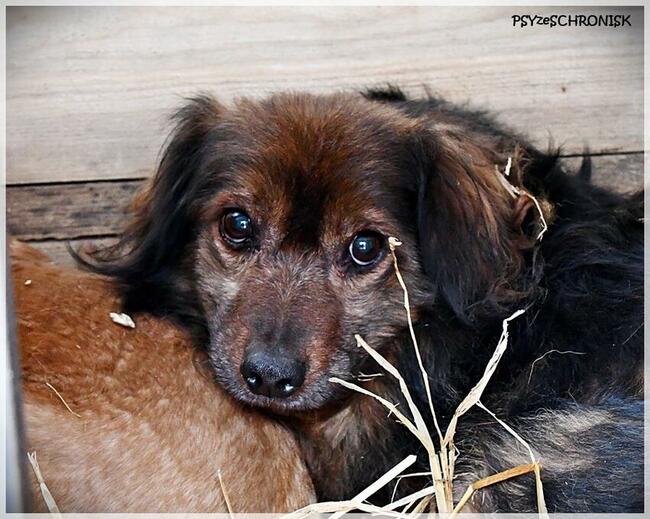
(471, 221)
(146, 259)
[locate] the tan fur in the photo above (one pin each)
(154, 431)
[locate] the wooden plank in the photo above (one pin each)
(620, 173)
(89, 88)
(58, 250)
(68, 211)
(72, 211)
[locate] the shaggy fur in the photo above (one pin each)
(154, 430)
(312, 172)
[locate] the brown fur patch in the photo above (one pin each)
(153, 432)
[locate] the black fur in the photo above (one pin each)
(157, 240)
(588, 301)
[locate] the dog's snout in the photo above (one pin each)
(271, 375)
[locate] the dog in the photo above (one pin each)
(266, 233)
(128, 420)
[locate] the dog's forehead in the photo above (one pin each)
(318, 165)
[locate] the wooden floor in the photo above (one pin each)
(89, 89)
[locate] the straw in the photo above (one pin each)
(45, 492)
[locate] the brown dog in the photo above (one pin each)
(146, 430)
(266, 231)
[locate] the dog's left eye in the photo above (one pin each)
(366, 248)
(236, 227)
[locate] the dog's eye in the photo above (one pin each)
(366, 248)
(236, 227)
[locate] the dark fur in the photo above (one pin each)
(422, 170)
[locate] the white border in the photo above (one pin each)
(483, 3)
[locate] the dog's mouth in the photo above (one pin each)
(307, 398)
(284, 406)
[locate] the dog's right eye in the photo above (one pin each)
(236, 227)
(366, 248)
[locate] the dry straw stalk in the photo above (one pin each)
(45, 492)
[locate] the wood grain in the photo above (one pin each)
(620, 173)
(68, 211)
(58, 250)
(97, 209)
(89, 88)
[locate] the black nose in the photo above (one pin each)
(273, 376)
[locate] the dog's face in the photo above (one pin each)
(276, 216)
(292, 256)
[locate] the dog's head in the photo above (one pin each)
(272, 219)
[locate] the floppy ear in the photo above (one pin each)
(147, 259)
(470, 222)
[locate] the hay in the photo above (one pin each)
(392, 244)
(411, 499)
(380, 483)
(403, 476)
(420, 507)
(517, 192)
(45, 492)
(363, 377)
(122, 319)
(476, 392)
(62, 399)
(417, 427)
(443, 480)
(225, 494)
(336, 506)
(532, 366)
(438, 469)
(541, 503)
(492, 480)
(441, 461)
